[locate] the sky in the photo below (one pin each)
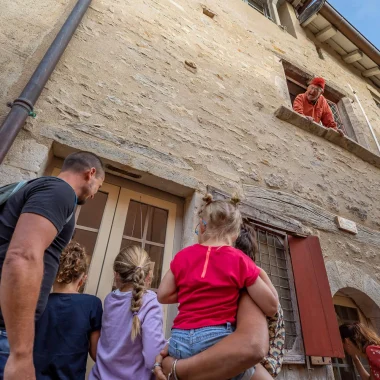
(364, 15)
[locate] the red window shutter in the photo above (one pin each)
(318, 320)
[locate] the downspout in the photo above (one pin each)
(366, 118)
(23, 106)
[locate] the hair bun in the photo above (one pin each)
(207, 198)
(235, 200)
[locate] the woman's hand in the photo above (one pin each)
(166, 361)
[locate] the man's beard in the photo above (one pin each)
(81, 202)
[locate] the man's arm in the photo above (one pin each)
(231, 356)
(20, 287)
(327, 117)
(298, 104)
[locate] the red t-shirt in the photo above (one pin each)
(373, 354)
(209, 280)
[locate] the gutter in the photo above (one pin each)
(350, 32)
(23, 106)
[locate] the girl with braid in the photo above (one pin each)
(206, 280)
(132, 325)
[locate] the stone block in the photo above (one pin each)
(10, 174)
(27, 155)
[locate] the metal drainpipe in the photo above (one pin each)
(22, 107)
(366, 118)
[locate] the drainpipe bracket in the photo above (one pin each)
(24, 103)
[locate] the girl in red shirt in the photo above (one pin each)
(206, 279)
(359, 340)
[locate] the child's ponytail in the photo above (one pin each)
(133, 265)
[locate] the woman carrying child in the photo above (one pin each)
(206, 278)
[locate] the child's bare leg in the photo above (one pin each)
(261, 373)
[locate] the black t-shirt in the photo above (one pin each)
(53, 199)
(63, 336)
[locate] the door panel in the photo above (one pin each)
(145, 221)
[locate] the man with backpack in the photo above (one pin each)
(36, 223)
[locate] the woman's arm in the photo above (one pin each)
(362, 371)
(231, 356)
(167, 291)
(94, 338)
(263, 296)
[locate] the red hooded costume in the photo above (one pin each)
(319, 111)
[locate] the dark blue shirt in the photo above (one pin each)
(63, 335)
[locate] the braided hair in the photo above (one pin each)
(133, 266)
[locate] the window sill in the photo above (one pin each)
(292, 117)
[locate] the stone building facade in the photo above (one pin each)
(177, 96)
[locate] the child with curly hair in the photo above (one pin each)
(132, 330)
(206, 279)
(69, 328)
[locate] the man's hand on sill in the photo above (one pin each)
(340, 132)
(310, 118)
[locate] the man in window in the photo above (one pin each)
(313, 105)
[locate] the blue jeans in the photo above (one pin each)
(186, 343)
(4, 352)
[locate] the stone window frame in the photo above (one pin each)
(260, 6)
(338, 96)
(376, 99)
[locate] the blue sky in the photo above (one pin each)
(364, 15)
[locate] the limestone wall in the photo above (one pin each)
(158, 80)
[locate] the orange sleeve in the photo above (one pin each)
(298, 104)
(327, 116)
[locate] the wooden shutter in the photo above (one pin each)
(318, 320)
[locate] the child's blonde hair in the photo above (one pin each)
(72, 263)
(133, 266)
(223, 218)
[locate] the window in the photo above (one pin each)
(347, 312)
(143, 227)
(295, 88)
(297, 82)
(336, 114)
(261, 6)
(272, 257)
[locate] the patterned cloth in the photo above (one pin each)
(273, 361)
(373, 355)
